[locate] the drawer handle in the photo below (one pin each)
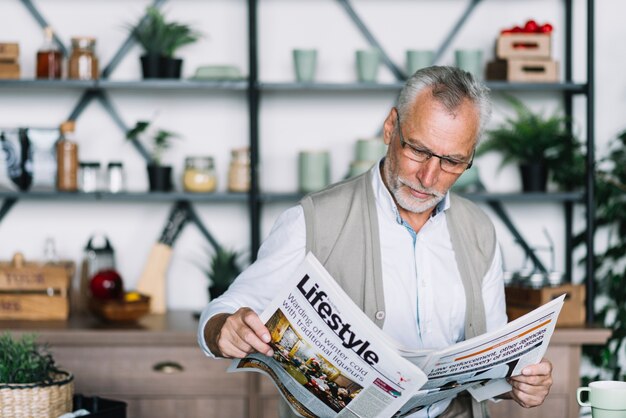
(168, 367)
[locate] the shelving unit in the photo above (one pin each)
(254, 88)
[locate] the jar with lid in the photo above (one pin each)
(199, 175)
(67, 158)
(83, 63)
(239, 170)
(89, 179)
(116, 181)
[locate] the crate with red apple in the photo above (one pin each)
(524, 54)
(110, 302)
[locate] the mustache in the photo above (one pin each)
(422, 189)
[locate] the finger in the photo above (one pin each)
(543, 368)
(246, 336)
(536, 380)
(259, 328)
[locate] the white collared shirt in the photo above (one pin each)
(420, 274)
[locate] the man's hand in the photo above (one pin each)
(237, 335)
(533, 385)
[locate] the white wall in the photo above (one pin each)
(213, 122)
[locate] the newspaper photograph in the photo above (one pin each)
(330, 360)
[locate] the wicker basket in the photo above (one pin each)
(33, 400)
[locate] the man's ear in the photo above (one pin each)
(390, 125)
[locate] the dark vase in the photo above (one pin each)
(534, 176)
(160, 178)
(171, 67)
(151, 65)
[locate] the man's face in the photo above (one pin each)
(418, 186)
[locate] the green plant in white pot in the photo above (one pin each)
(159, 175)
(160, 40)
(31, 384)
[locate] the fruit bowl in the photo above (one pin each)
(127, 309)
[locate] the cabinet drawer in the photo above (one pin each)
(148, 371)
(231, 407)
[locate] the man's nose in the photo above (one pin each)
(429, 171)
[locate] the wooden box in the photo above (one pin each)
(526, 70)
(9, 71)
(521, 300)
(9, 52)
(35, 291)
(524, 45)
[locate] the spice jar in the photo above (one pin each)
(67, 158)
(89, 177)
(83, 63)
(199, 175)
(239, 170)
(116, 181)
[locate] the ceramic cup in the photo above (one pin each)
(305, 63)
(313, 170)
(371, 149)
(367, 63)
(470, 60)
(607, 398)
(416, 59)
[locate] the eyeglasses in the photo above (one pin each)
(420, 155)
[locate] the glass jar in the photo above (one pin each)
(83, 63)
(89, 177)
(199, 175)
(239, 170)
(116, 181)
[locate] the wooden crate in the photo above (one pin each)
(526, 70)
(9, 52)
(35, 291)
(9, 71)
(524, 45)
(521, 300)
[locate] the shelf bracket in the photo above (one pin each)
(397, 72)
(7, 204)
(193, 216)
(455, 29)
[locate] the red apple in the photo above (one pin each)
(517, 29)
(531, 26)
(546, 28)
(107, 284)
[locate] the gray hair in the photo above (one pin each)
(450, 85)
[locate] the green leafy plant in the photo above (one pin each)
(25, 361)
(224, 268)
(157, 36)
(610, 263)
(530, 137)
(161, 140)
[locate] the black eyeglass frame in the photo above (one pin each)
(429, 154)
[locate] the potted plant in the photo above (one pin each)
(538, 144)
(159, 175)
(223, 269)
(160, 40)
(30, 382)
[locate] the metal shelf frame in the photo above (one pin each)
(254, 88)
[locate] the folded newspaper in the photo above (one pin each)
(331, 360)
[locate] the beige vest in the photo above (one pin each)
(342, 232)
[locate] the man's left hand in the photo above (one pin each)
(533, 385)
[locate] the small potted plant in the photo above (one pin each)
(223, 269)
(540, 145)
(31, 385)
(160, 40)
(159, 175)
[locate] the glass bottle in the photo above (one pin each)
(67, 158)
(116, 181)
(199, 175)
(239, 170)
(89, 177)
(49, 58)
(83, 63)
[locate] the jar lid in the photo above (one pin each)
(199, 162)
(83, 42)
(68, 126)
(89, 164)
(114, 164)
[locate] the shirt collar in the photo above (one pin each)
(385, 199)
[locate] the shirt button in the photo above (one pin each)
(380, 315)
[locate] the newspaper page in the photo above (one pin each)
(482, 364)
(329, 359)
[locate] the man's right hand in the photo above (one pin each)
(237, 335)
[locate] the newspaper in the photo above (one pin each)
(331, 360)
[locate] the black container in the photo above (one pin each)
(171, 67)
(100, 407)
(534, 177)
(151, 66)
(160, 178)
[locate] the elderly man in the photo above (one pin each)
(421, 262)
